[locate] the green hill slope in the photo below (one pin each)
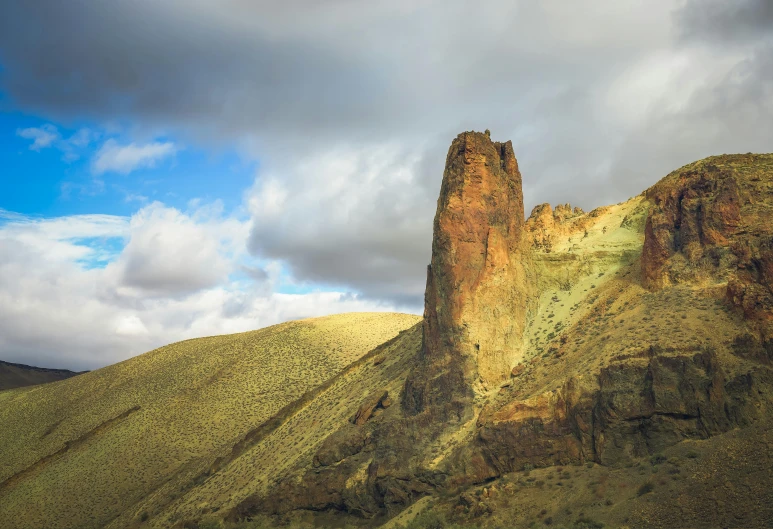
(84, 451)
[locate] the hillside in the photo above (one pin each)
(91, 449)
(20, 375)
(579, 370)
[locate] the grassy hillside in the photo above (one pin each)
(85, 451)
(19, 375)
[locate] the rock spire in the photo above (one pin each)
(475, 300)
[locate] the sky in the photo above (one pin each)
(185, 168)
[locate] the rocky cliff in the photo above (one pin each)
(598, 339)
(711, 221)
(477, 290)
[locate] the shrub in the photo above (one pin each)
(586, 523)
(645, 489)
(658, 459)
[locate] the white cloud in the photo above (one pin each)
(171, 253)
(113, 157)
(48, 135)
(347, 217)
(130, 326)
(167, 281)
(43, 136)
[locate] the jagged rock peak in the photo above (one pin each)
(475, 298)
(544, 214)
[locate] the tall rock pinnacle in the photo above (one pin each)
(475, 301)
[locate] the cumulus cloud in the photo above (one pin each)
(113, 157)
(170, 253)
(362, 221)
(60, 310)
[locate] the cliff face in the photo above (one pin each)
(711, 221)
(694, 214)
(476, 295)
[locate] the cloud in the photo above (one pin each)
(130, 326)
(124, 159)
(47, 135)
(43, 136)
(718, 21)
(58, 310)
(348, 219)
(170, 253)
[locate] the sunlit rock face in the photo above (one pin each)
(475, 299)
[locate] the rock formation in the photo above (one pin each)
(544, 224)
(711, 220)
(694, 213)
(476, 295)
(568, 339)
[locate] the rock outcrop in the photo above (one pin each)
(476, 295)
(695, 213)
(544, 224)
(636, 409)
(711, 220)
(661, 333)
(379, 400)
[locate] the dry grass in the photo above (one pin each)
(85, 451)
(724, 481)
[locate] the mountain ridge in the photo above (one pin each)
(13, 375)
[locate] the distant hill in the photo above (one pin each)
(20, 375)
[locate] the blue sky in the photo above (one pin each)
(44, 181)
(58, 175)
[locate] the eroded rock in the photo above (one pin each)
(476, 295)
(377, 400)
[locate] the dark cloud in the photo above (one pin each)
(721, 21)
(350, 106)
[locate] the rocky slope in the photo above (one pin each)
(625, 331)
